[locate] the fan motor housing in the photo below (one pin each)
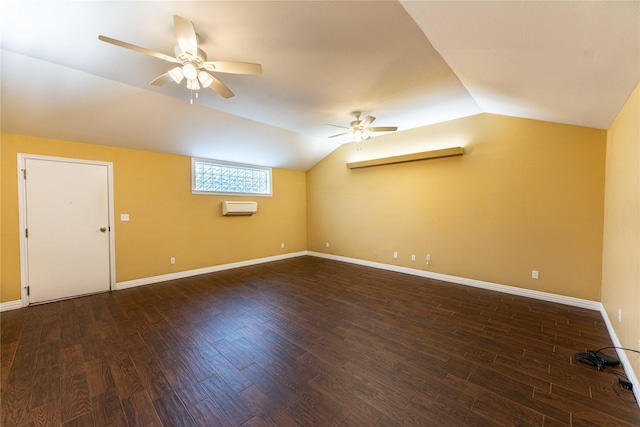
(183, 57)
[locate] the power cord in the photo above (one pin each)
(601, 361)
(597, 358)
(620, 348)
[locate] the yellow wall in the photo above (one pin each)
(621, 248)
(166, 220)
(527, 195)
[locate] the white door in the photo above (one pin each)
(67, 228)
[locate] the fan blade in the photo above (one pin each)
(138, 49)
(186, 35)
(233, 67)
(367, 121)
(337, 126)
(161, 80)
(383, 129)
(220, 88)
(339, 134)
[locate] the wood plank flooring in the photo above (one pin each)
(308, 342)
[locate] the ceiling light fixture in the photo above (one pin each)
(190, 70)
(360, 129)
(192, 62)
(176, 74)
(193, 84)
(205, 78)
(360, 135)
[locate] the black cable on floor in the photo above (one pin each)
(619, 348)
(603, 361)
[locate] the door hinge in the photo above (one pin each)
(24, 173)
(26, 233)
(28, 291)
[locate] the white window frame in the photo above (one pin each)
(244, 166)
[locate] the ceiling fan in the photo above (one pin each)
(192, 61)
(360, 128)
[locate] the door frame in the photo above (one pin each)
(22, 217)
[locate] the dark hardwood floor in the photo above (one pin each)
(308, 342)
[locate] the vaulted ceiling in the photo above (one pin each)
(409, 63)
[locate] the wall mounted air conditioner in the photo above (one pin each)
(239, 208)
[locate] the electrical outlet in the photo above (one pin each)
(428, 257)
(395, 255)
(172, 260)
(534, 274)
(282, 245)
(327, 244)
(413, 257)
(619, 315)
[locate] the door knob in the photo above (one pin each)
(103, 229)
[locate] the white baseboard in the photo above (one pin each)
(546, 296)
(10, 305)
(189, 273)
(622, 355)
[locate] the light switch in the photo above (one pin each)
(124, 217)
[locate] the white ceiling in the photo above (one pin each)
(409, 63)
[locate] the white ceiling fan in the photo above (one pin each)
(360, 128)
(192, 61)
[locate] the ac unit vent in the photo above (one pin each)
(239, 208)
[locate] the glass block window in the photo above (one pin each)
(216, 177)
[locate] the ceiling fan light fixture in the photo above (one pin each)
(193, 84)
(205, 78)
(190, 70)
(176, 74)
(360, 131)
(360, 135)
(189, 59)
